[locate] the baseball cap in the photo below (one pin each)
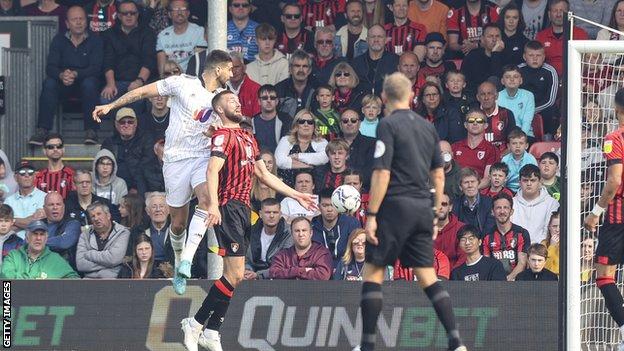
(24, 164)
(125, 112)
(435, 36)
(37, 225)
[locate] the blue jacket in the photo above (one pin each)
(86, 59)
(481, 216)
(343, 228)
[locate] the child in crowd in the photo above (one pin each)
(517, 157)
(332, 174)
(549, 167)
(538, 254)
(327, 119)
(8, 238)
(456, 98)
(519, 101)
(498, 180)
(371, 108)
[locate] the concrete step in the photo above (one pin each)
(73, 131)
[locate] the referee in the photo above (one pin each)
(399, 218)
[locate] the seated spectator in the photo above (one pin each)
(441, 266)
(327, 119)
(361, 148)
(371, 109)
(549, 168)
(259, 190)
(245, 88)
(270, 125)
(63, 231)
(475, 151)
(430, 13)
(7, 177)
(506, 242)
(179, 41)
(101, 249)
(467, 22)
(434, 65)
(9, 240)
(520, 102)
(500, 121)
(322, 13)
(409, 65)
(477, 267)
(448, 123)
(155, 120)
(73, 67)
(305, 260)
(372, 66)
(78, 201)
(27, 202)
(351, 38)
(455, 97)
(241, 30)
(297, 91)
(498, 179)
(48, 8)
(348, 89)
(532, 204)
(471, 207)
(534, 15)
(484, 62)
(331, 228)
(331, 176)
(517, 158)
(351, 264)
(354, 178)
(404, 34)
(291, 209)
(376, 12)
(269, 66)
(132, 209)
(302, 149)
(142, 265)
(512, 24)
(268, 236)
(451, 171)
(158, 213)
(157, 15)
(106, 184)
(56, 176)
(447, 227)
(538, 254)
(35, 260)
(294, 36)
(10, 8)
(552, 243)
(102, 15)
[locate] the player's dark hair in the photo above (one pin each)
(51, 136)
(6, 212)
(510, 68)
(500, 166)
(216, 58)
(326, 193)
(527, 171)
(269, 201)
(517, 133)
(300, 219)
(503, 196)
(538, 249)
(534, 45)
(619, 97)
(217, 99)
(549, 155)
(468, 229)
(267, 88)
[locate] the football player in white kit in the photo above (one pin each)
(186, 151)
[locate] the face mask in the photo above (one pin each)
(447, 157)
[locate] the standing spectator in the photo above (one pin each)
(321, 13)
(294, 37)
(74, 65)
(132, 210)
(430, 13)
(305, 260)
(331, 175)
(268, 236)
(376, 63)
(47, 8)
(297, 91)
(326, 56)
(27, 202)
(155, 120)
(241, 30)
(471, 207)
(520, 102)
(9, 240)
(291, 209)
(434, 65)
(78, 201)
(129, 55)
(179, 41)
(549, 168)
(348, 90)
(56, 176)
(6, 176)
(63, 231)
(517, 157)
(552, 243)
(158, 213)
(371, 109)
(512, 28)
(448, 123)
(143, 264)
(466, 24)
(270, 125)
(535, 16)
(361, 148)
(35, 260)
(243, 86)
(11, 8)
(106, 184)
(351, 263)
(409, 65)
(404, 34)
(475, 151)
(477, 267)
(102, 15)
(485, 62)
(101, 249)
(270, 66)
(351, 38)
(538, 255)
(446, 241)
(452, 172)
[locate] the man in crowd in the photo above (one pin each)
(27, 202)
(473, 208)
(404, 34)
(155, 120)
(297, 91)
(477, 267)
(430, 13)
(361, 148)
(466, 23)
(56, 176)
(78, 201)
(409, 65)
(241, 30)
(376, 63)
(331, 175)
(485, 62)
(270, 125)
(451, 171)
(73, 67)
(294, 36)
(158, 213)
(270, 65)
(500, 121)
(446, 240)
(63, 232)
(243, 86)
(326, 58)
(351, 38)
(475, 151)
(434, 63)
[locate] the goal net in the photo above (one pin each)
(595, 73)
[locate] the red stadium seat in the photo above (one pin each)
(538, 127)
(537, 149)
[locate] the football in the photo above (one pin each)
(346, 199)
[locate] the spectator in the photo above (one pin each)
(552, 37)
(485, 62)
(156, 15)
(361, 148)
(535, 16)
(475, 151)
(290, 208)
(409, 65)
(354, 178)
(27, 202)
(155, 120)
(616, 22)
(143, 264)
(158, 213)
(9, 240)
(371, 109)
(241, 31)
(6, 176)
(132, 209)
(56, 176)
(63, 231)
(243, 86)
(259, 190)
(498, 179)
(448, 123)
(404, 34)
(267, 237)
(78, 201)
(305, 260)
(293, 36)
(552, 243)
(327, 118)
(351, 264)
(538, 254)
(133, 149)
(452, 171)
(11, 8)
(270, 125)
(441, 266)
(506, 242)
(376, 63)
(599, 12)
(520, 102)
(172, 68)
(348, 89)
(35, 260)
(430, 13)
(433, 64)
(107, 184)
(270, 66)
(512, 28)
(48, 8)
(471, 207)
(321, 13)
(351, 38)
(376, 13)
(447, 227)
(517, 158)
(302, 149)
(331, 175)
(477, 267)
(532, 204)
(466, 23)
(102, 15)
(73, 67)
(455, 97)
(179, 41)
(326, 56)
(296, 92)
(101, 249)
(129, 55)
(549, 168)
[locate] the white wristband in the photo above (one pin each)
(597, 210)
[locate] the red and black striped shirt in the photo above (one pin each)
(507, 246)
(469, 27)
(500, 124)
(441, 265)
(321, 13)
(302, 41)
(240, 150)
(60, 181)
(404, 38)
(613, 149)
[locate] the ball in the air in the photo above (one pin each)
(346, 199)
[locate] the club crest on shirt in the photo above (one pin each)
(607, 148)
(234, 247)
(480, 155)
(500, 125)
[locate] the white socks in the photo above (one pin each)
(197, 229)
(177, 244)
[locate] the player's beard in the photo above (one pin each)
(235, 117)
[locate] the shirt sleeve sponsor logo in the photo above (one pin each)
(607, 148)
(380, 149)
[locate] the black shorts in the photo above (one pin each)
(610, 250)
(233, 232)
(404, 230)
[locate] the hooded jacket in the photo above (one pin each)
(534, 215)
(49, 265)
(106, 263)
(272, 71)
(115, 188)
(288, 265)
(343, 228)
(281, 240)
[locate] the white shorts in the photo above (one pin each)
(181, 177)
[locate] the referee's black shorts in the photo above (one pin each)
(404, 229)
(233, 232)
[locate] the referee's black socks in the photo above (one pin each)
(613, 298)
(371, 303)
(215, 305)
(441, 301)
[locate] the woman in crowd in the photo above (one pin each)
(448, 122)
(352, 263)
(302, 149)
(348, 92)
(132, 209)
(616, 22)
(6, 177)
(512, 27)
(142, 264)
(552, 243)
(375, 13)
(156, 14)
(259, 190)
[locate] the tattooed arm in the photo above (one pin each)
(143, 92)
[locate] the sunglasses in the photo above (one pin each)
(128, 13)
(54, 146)
(475, 120)
(270, 97)
(128, 122)
(352, 120)
(26, 172)
(292, 16)
(325, 42)
(304, 121)
(239, 5)
(342, 74)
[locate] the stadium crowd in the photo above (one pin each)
(308, 74)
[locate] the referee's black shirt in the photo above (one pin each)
(408, 146)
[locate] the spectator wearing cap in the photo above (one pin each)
(430, 13)
(73, 67)
(56, 177)
(133, 150)
(433, 63)
(35, 260)
(27, 202)
(63, 231)
(376, 63)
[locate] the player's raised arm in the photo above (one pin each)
(306, 200)
(143, 92)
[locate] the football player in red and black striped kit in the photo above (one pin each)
(610, 250)
(232, 165)
(56, 176)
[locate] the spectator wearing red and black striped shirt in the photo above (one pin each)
(56, 176)
(500, 121)
(465, 24)
(294, 36)
(333, 173)
(404, 35)
(321, 13)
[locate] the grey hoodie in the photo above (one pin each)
(115, 188)
(106, 263)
